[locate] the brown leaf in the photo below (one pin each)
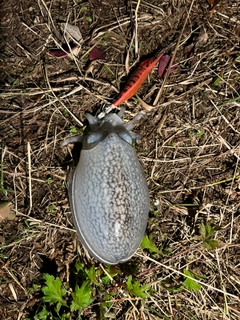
(203, 38)
(163, 64)
(97, 54)
(6, 211)
(65, 51)
(72, 46)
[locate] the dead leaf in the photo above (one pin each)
(90, 68)
(6, 211)
(203, 38)
(66, 51)
(188, 50)
(72, 33)
(97, 54)
(72, 46)
(163, 64)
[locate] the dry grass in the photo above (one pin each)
(190, 150)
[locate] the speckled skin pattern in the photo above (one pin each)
(109, 198)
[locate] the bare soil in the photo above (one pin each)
(190, 149)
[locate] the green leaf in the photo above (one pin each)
(82, 297)
(207, 232)
(73, 130)
(42, 315)
(92, 274)
(79, 266)
(148, 244)
(136, 289)
(49, 180)
(89, 19)
(217, 80)
(211, 244)
(203, 230)
(112, 271)
(199, 134)
(53, 291)
(66, 112)
(191, 284)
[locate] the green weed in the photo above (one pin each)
(199, 134)
(62, 302)
(53, 291)
(89, 19)
(136, 289)
(74, 130)
(59, 303)
(188, 283)
(191, 284)
(147, 243)
(51, 208)
(82, 296)
(207, 232)
(217, 80)
(49, 180)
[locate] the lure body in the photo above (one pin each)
(136, 79)
(108, 192)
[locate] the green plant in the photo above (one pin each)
(51, 208)
(59, 304)
(81, 296)
(217, 80)
(112, 271)
(189, 283)
(136, 289)
(171, 287)
(83, 9)
(66, 112)
(173, 144)
(65, 302)
(89, 19)
(74, 130)
(49, 180)
(199, 134)
(62, 301)
(207, 232)
(147, 243)
(53, 291)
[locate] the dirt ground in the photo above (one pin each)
(190, 151)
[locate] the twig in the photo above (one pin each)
(186, 276)
(29, 176)
(173, 57)
(136, 27)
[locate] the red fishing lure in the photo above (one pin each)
(136, 79)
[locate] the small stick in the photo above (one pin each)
(29, 176)
(173, 57)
